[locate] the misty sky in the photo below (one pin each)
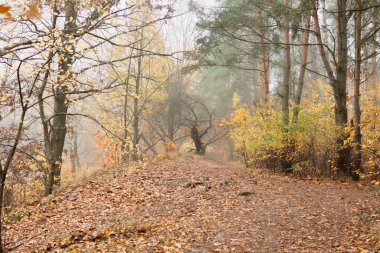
(180, 32)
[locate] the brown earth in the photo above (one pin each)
(200, 206)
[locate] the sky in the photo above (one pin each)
(180, 32)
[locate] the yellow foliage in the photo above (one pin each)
(155, 71)
(370, 128)
(259, 136)
(256, 134)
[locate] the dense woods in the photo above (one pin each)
(284, 86)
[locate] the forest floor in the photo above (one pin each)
(200, 206)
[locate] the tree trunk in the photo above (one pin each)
(301, 80)
(340, 88)
(125, 149)
(338, 81)
(324, 20)
(357, 110)
(136, 112)
(200, 148)
(45, 124)
(265, 75)
(1, 217)
(287, 69)
(74, 154)
(58, 127)
(264, 66)
(285, 161)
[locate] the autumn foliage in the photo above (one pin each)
(32, 11)
(259, 136)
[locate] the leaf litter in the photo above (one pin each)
(177, 206)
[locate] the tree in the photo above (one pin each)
(252, 26)
(141, 79)
(287, 70)
(357, 83)
(338, 80)
(136, 113)
(200, 121)
(301, 79)
(56, 140)
(240, 39)
(285, 91)
(18, 106)
(14, 101)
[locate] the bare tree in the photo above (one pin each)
(200, 121)
(14, 139)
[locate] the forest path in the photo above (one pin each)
(201, 206)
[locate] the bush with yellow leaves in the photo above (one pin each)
(371, 132)
(261, 138)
